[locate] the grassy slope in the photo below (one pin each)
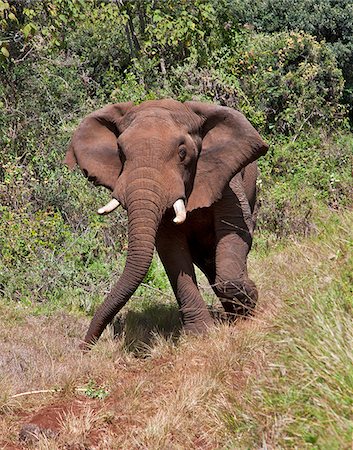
(281, 380)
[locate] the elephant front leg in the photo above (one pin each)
(175, 255)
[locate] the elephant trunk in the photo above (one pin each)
(145, 205)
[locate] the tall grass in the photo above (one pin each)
(305, 397)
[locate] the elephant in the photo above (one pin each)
(186, 174)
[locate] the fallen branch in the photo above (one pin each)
(43, 391)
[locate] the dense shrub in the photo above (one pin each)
(328, 20)
(300, 179)
(285, 82)
(292, 78)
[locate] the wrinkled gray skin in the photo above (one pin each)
(154, 154)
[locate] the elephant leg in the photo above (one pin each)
(232, 285)
(175, 255)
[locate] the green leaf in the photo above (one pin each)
(27, 29)
(4, 5)
(5, 52)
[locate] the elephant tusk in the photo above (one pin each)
(109, 207)
(180, 212)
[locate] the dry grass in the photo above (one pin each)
(278, 380)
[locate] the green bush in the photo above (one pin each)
(301, 177)
(284, 83)
(43, 260)
(327, 20)
(290, 77)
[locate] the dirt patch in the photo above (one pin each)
(47, 422)
(159, 400)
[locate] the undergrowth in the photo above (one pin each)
(304, 399)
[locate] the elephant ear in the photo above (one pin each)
(94, 145)
(229, 143)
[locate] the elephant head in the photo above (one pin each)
(154, 157)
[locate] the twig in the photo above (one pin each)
(302, 125)
(236, 227)
(40, 391)
(24, 57)
(44, 391)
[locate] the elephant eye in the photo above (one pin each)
(182, 153)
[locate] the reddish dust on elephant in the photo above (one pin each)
(186, 174)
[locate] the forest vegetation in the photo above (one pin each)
(281, 380)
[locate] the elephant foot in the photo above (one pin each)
(240, 306)
(237, 308)
(85, 346)
(238, 298)
(201, 325)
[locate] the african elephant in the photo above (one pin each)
(186, 174)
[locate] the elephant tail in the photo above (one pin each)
(70, 158)
(237, 186)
